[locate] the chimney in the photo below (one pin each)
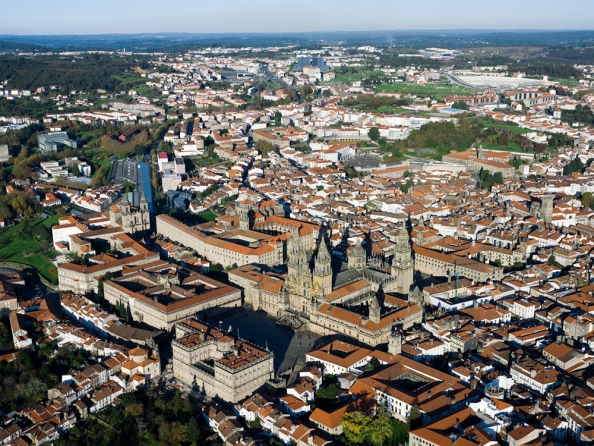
(452, 402)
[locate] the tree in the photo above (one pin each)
(178, 432)
(135, 410)
(587, 199)
(193, 432)
(380, 428)
(460, 105)
(406, 186)
(327, 393)
(574, 166)
(187, 406)
(503, 139)
(374, 133)
(129, 187)
(354, 426)
(75, 171)
(277, 119)
(415, 417)
(23, 154)
(264, 147)
(177, 404)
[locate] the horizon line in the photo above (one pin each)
(238, 33)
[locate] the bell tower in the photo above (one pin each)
(358, 257)
(402, 262)
(375, 312)
(298, 282)
(322, 275)
(395, 344)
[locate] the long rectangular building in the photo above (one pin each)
(266, 244)
(161, 294)
(436, 263)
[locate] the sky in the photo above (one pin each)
(237, 16)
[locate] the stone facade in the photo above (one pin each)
(218, 364)
(349, 300)
(84, 279)
(163, 294)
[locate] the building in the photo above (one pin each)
(76, 233)
(219, 364)
(262, 243)
(123, 171)
(309, 61)
(53, 142)
(407, 383)
(462, 427)
(439, 264)
(343, 298)
(160, 294)
(4, 153)
(126, 253)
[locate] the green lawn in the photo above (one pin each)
(208, 215)
(27, 250)
(389, 109)
(508, 127)
(131, 80)
(344, 78)
(509, 148)
(439, 89)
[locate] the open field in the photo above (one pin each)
(509, 148)
(27, 250)
(439, 89)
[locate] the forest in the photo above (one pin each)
(370, 102)
(581, 114)
(87, 72)
(143, 417)
(25, 381)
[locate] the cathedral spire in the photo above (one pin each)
(323, 255)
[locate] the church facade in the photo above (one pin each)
(362, 299)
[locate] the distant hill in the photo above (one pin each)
(175, 42)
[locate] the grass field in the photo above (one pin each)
(509, 148)
(208, 215)
(27, 250)
(344, 78)
(439, 89)
(508, 127)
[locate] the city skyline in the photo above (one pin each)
(65, 17)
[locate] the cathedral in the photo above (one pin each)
(132, 220)
(363, 298)
(310, 281)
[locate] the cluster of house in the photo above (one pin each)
(85, 391)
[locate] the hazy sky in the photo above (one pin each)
(206, 16)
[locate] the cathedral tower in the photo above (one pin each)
(546, 209)
(244, 218)
(402, 263)
(322, 275)
(358, 257)
(299, 283)
(375, 312)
